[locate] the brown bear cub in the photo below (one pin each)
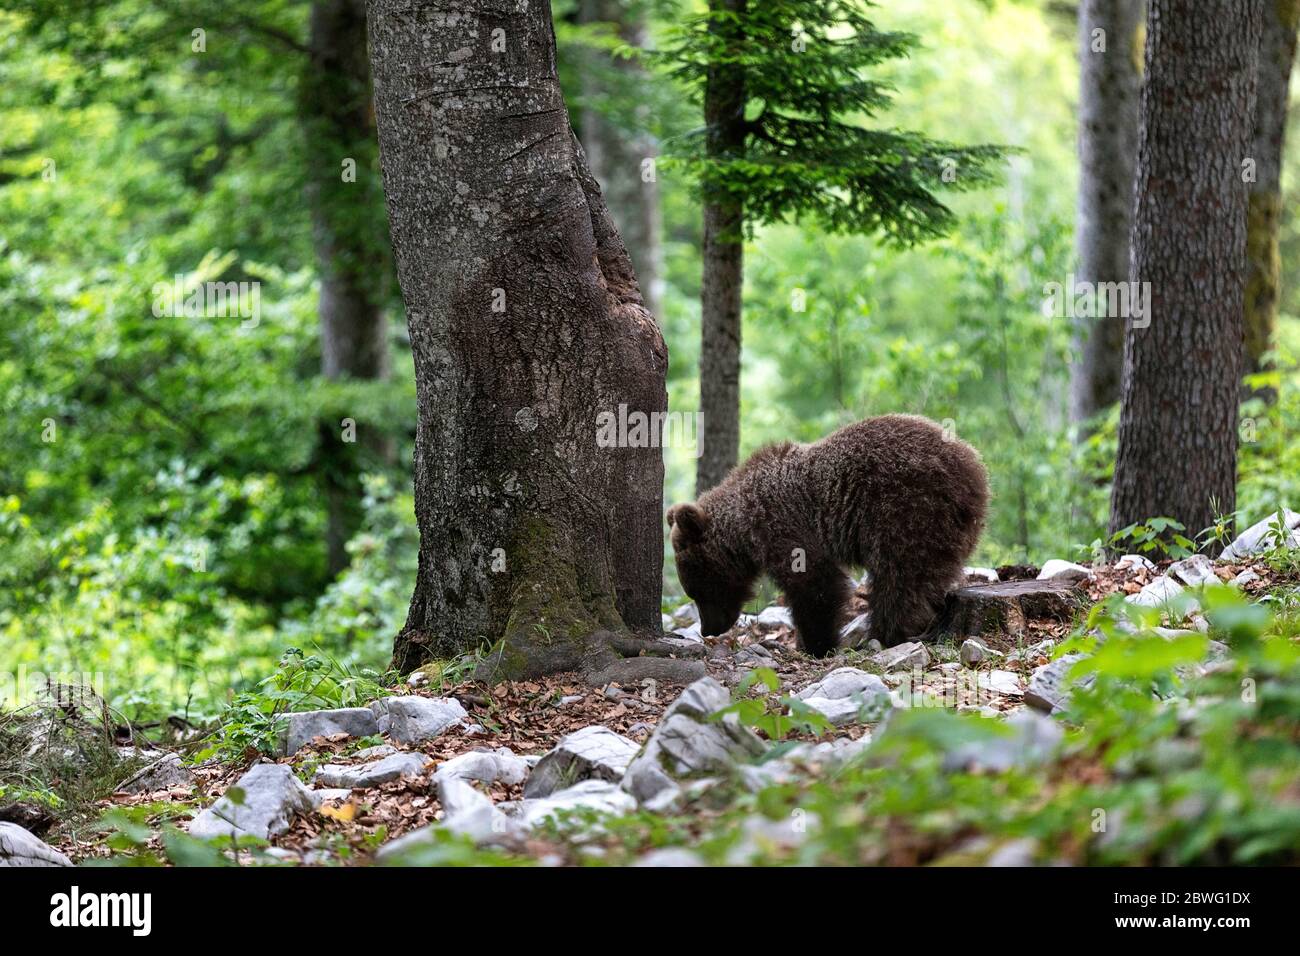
(893, 494)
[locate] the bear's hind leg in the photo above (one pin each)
(817, 597)
(902, 605)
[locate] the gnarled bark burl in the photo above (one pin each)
(526, 325)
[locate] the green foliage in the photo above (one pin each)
(252, 722)
(1165, 761)
(804, 153)
(775, 718)
(1161, 535)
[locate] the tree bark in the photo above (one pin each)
(526, 325)
(723, 267)
(617, 156)
(1110, 86)
(1178, 424)
(334, 96)
(1277, 47)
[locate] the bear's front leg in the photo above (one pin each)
(817, 597)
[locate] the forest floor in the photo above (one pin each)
(530, 718)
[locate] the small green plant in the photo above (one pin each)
(1161, 535)
(775, 718)
(302, 682)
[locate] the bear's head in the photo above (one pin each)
(703, 572)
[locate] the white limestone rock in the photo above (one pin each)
(592, 753)
(1195, 571)
(372, 773)
(411, 720)
(1262, 536)
(903, 657)
(770, 618)
(1156, 594)
(164, 772)
(687, 744)
(497, 766)
(272, 795)
(21, 848)
(300, 728)
(1058, 570)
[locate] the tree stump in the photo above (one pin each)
(1004, 609)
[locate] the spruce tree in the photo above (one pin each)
(788, 104)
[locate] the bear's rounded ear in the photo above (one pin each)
(688, 522)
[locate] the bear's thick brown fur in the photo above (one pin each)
(893, 494)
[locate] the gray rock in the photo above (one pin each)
(1058, 570)
(845, 682)
(1006, 683)
(1195, 571)
(1021, 852)
(686, 615)
(755, 655)
(326, 794)
(857, 631)
(500, 765)
(393, 849)
(590, 753)
(1033, 741)
(272, 795)
(981, 574)
(598, 795)
(687, 744)
(1156, 594)
(670, 856)
(20, 848)
(1045, 646)
(903, 657)
(1245, 577)
(690, 634)
(847, 695)
(761, 837)
(410, 720)
(163, 773)
(842, 711)
(373, 773)
(1260, 536)
(375, 752)
(1048, 690)
(972, 652)
(470, 813)
(299, 729)
(773, 617)
(830, 753)
(1134, 562)
(476, 819)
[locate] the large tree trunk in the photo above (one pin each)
(617, 156)
(526, 325)
(1263, 263)
(334, 96)
(1110, 85)
(723, 267)
(1178, 424)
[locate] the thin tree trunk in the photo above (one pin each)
(618, 157)
(335, 107)
(526, 326)
(1178, 424)
(1110, 85)
(723, 262)
(1277, 47)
